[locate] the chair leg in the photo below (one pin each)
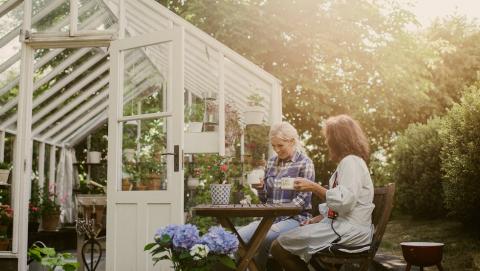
(409, 266)
(364, 265)
(439, 266)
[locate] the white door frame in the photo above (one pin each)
(137, 202)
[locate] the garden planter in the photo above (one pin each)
(220, 193)
(4, 173)
(253, 115)
(33, 226)
(50, 222)
(126, 185)
(192, 183)
(195, 127)
(4, 244)
(93, 157)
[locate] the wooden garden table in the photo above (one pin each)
(268, 212)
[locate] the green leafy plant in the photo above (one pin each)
(6, 215)
(4, 165)
(255, 99)
(195, 112)
(34, 211)
(49, 205)
(49, 258)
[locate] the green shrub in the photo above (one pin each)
(461, 157)
(416, 168)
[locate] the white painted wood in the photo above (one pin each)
(149, 209)
(209, 142)
(73, 17)
(52, 164)
(122, 20)
(8, 5)
(23, 151)
(41, 164)
(2, 146)
(221, 106)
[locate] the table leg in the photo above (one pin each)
(247, 251)
(243, 247)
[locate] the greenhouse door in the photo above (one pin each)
(145, 145)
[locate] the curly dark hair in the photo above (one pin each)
(344, 137)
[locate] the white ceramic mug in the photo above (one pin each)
(287, 183)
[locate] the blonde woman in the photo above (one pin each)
(289, 161)
(346, 217)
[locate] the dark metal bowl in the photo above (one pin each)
(422, 253)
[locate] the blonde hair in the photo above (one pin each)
(344, 136)
(286, 131)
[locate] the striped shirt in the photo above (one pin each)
(298, 166)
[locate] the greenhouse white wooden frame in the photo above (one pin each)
(209, 67)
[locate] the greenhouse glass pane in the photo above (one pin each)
(146, 71)
(144, 148)
(51, 15)
(95, 15)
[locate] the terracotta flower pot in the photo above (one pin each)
(50, 222)
(4, 244)
(422, 253)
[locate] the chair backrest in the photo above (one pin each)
(383, 200)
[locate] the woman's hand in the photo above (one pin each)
(312, 220)
(259, 186)
(302, 184)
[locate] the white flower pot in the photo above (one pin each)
(129, 154)
(253, 115)
(195, 127)
(4, 173)
(220, 193)
(93, 157)
(192, 183)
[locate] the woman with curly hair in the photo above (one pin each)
(346, 217)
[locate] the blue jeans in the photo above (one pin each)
(247, 231)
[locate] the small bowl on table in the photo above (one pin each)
(423, 254)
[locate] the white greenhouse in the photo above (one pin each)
(71, 67)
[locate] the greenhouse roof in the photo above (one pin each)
(71, 84)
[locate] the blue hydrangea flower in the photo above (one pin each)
(185, 237)
(220, 241)
(169, 230)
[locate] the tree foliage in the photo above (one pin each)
(461, 157)
(416, 170)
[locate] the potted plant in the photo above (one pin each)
(129, 141)
(49, 258)
(188, 251)
(220, 192)
(4, 172)
(193, 178)
(50, 211)
(233, 129)
(6, 216)
(34, 212)
(97, 145)
(254, 112)
(194, 115)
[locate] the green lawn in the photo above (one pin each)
(462, 246)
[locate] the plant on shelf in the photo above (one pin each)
(48, 257)
(34, 212)
(256, 144)
(183, 246)
(233, 128)
(50, 210)
(194, 115)
(254, 112)
(6, 216)
(4, 172)
(255, 100)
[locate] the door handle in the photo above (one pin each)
(176, 157)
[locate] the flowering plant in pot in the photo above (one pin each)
(6, 215)
(188, 251)
(50, 210)
(4, 172)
